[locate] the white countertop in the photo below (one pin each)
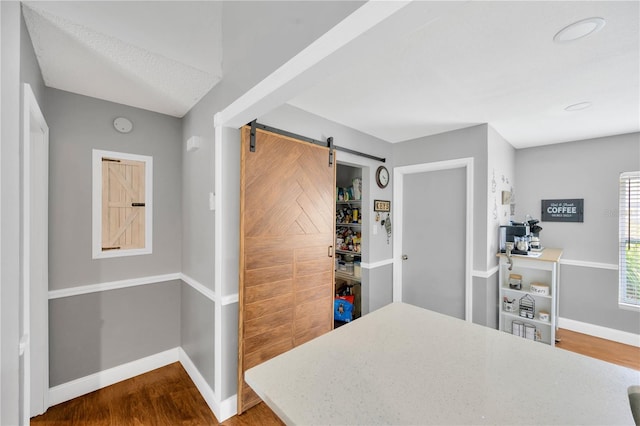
(406, 365)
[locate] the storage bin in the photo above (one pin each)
(349, 267)
(539, 288)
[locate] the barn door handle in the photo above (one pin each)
(330, 251)
(137, 204)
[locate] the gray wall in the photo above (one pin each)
(468, 142)
(229, 350)
(501, 157)
(231, 203)
(198, 311)
(95, 331)
(196, 330)
(500, 177)
(586, 169)
(79, 124)
(197, 183)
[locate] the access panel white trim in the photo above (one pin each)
(96, 204)
(599, 331)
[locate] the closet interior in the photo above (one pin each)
(349, 247)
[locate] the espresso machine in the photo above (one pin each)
(523, 235)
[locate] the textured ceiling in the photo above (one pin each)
(492, 62)
(443, 65)
(117, 52)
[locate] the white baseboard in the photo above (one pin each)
(101, 379)
(222, 409)
(84, 385)
(599, 331)
(228, 408)
(203, 387)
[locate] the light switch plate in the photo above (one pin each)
(193, 143)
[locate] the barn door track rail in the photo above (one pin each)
(328, 143)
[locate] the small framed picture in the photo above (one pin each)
(381, 206)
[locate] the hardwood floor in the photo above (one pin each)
(165, 396)
(168, 397)
(606, 350)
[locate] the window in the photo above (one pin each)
(122, 213)
(629, 267)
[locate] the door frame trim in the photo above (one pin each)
(33, 117)
(398, 177)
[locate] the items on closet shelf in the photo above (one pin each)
(348, 239)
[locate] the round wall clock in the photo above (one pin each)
(382, 177)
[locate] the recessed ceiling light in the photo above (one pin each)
(578, 107)
(579, 29)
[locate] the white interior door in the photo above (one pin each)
(433, 245)
(34, 292)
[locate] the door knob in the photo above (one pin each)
(405, 257)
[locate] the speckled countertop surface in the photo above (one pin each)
(406, 365)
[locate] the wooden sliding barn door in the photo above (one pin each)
(286, 249)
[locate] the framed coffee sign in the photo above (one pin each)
(569, 210)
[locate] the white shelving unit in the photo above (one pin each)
(541, 269)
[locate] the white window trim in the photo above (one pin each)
(621, 271)
(97, 251)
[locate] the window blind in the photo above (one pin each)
(629, 224)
